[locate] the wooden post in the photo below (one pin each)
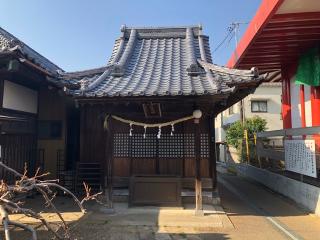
(247, 145)
(256, 149)
(109, 159)
(213, 154)
(198, 183)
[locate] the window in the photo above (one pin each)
(50, 129)
(259, 106)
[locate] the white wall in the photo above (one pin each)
(20, 98)
(295, 104)
(270, 92)
(266, 91)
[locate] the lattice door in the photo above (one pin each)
(149, 155)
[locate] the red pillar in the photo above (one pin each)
(315, 106)
(315, 111)
(303, 107)
(286, 100)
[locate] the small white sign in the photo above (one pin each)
(20, 98)
(300, 157)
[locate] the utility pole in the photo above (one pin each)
(234, 26)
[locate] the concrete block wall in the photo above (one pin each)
(304, 194)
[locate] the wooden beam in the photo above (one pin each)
(292, 28)
(198, 183)
(285, 39)
(269, 58)
(292, 17)
(275, 65)
(262, 51)
(312, 22)
(283, 33)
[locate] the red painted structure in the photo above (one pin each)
(263, 15)
(286, 100)
(315, 105)
(279, 33)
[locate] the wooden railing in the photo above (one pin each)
(290, 132)
(272, 156)
(277, 153)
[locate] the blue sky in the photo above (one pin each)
(79, 34)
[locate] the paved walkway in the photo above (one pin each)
(254, 212)
(247, 202)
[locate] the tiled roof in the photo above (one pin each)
(159, 62)
(9, 44)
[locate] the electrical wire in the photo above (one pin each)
(230, 33)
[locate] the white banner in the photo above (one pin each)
(300, 157)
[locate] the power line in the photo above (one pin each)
(223, 41)
(229, 40)
(233, 30)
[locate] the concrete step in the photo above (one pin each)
(122, 195)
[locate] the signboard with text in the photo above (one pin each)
(300, 157)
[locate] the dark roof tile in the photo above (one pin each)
(9, 43)
(158, 62)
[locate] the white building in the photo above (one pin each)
(265, 102)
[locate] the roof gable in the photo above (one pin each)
(157, 62)
(11, 44)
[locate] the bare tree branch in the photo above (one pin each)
(25, 227)
(26, 184)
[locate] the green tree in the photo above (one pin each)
(235, 132)
(255, 125)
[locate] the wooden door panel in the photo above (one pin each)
(143, 166)
(170, 166)
(121, 167)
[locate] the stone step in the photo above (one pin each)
(122, 195)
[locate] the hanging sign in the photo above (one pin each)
(300, 157)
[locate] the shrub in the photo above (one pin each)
(235, 132)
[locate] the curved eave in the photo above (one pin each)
(208, 97)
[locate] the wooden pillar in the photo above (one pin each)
(198, 183)
(213, 154)
(82, 134)
(109, 162)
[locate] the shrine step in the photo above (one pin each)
(122, 195)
